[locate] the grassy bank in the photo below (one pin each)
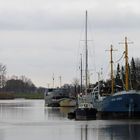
(21, 95)
(29, 95)
(5, 95)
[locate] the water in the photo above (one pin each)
(30, 120)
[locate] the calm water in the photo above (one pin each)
(30, 120)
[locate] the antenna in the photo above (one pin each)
(111, 62)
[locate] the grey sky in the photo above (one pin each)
(41, 37)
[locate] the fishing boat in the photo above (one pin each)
(122, 103)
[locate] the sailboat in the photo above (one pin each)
(124, 103)
(85, 109)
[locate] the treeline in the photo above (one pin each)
(133, 78)
(20, 84)
(23, 85)
(18, 87)
(119, 79)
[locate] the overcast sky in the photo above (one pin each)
(42, 37)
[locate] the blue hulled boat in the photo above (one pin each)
(125, 103)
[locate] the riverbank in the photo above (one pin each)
(10, 95)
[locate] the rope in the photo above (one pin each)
(120, 58)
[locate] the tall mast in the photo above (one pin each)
(112, 77)
(126, 64)
(111, 63)
(86, 47)
(81, 73)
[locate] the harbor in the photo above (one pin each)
(29, 119)
(120, 99)
(69, 70)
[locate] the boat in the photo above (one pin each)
(53, 96)
(125, 103)
(68, 102)
(85, 109)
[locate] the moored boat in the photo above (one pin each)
(125, 102)
(54, 96)
(85, 109)
(68, 102)
(122, 103)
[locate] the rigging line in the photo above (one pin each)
(94, 54)
(77, 58)
(92, 58)
(120, 58)
(122, 75)
(114, 70)
(92, 45)
(80, 48)
(106, 71)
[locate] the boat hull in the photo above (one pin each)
(85, 113)
(67, 102)
(126, 104)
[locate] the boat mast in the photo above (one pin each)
(111, 63)
(86, 49)
(112, 77)
(126, 65)
(81, 74)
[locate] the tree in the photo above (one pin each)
(2, 75)
(76, 86)
(137, 64)
(123, 76)
(20, 86)
(118, 81)
(133, 74)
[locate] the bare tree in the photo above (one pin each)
(26, 80)
(2, 75)
(76, 86)
(75, 82)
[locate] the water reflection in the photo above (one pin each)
(31, 120)
(120, 132)
(57, 113)
(128, 131)
(20, 110)
(54, 113)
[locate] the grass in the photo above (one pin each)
(6, 95)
